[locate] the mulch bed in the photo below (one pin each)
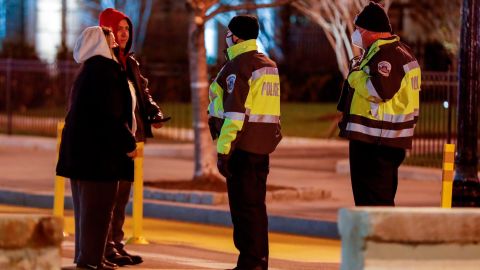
(200, 185)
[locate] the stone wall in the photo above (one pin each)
(30, 242)
(409, 238)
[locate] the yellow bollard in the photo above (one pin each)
(447, 174)
(137, 208)
(59, 197)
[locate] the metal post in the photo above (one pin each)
(466, 187)
(137, 207)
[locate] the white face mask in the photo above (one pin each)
(357, 39)
(229, 40)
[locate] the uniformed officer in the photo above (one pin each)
(244, 117)
(380, 105)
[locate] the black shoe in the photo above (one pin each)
(84, 266)
(135, 258)
(109, 263)
(118, 259)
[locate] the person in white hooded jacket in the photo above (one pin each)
(97, 143)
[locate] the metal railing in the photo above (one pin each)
(33, 97)
(437, 121)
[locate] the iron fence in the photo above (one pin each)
(33, 96)
(437, 121)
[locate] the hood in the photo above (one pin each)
(91, 42)
(111, 18)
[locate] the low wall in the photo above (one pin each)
(30, 242)
(409, 238)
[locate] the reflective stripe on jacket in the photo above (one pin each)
(244, 107)
(382, 104)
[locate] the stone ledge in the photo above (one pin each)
(409, 238)
(20, 230)
(30, 242)
(412, 225)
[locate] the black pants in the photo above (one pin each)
(116, 234)
(92, 206)
(246, 194)
(374, 173)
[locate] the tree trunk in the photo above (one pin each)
(205, 159)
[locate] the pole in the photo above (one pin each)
(447, 174)
(466, 187)
(137, 209)
(59, 195)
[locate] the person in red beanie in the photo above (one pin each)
(146, 114)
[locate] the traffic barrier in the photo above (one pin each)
(447, 174)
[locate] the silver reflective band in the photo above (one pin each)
(410, 66)
(235, 116)
(400, 118)
(199, 84)
(264, 71)
(376, 132)
(264, 118)
(212, 112)
(373, 92)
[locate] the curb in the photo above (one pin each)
(404, 172)
(218, 198)
(192, 213)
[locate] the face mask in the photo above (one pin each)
(357, 39)
(229, 41)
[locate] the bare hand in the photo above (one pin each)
(132, 154)
(157, 125)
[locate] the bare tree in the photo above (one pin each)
(200, 12)
(336, 17)
(436, 21)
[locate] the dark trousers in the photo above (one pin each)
(116, 234)
(92, 205)
(374, 173)
(246, 194)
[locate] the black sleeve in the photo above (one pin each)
(386, 73)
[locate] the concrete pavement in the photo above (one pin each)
(27, 167)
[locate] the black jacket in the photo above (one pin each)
(96, 137)
(148, 112)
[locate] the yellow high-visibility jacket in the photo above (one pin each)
(381, 105)
(244, 109)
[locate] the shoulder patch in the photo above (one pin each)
(231, 82)
(384, 68)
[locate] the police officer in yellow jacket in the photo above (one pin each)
(244, 117)
(380, 105)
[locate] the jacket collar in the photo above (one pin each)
(242, 47)
(375, 47)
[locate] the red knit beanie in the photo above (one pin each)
(111, 18)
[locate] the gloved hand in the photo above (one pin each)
(222, 165)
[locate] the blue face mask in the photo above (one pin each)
(229, 40)
(357, 39)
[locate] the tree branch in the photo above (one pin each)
(248, 6)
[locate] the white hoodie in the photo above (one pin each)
(90, 43)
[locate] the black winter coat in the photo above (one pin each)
(149, 111)
(96, 137)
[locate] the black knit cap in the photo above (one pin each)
(244, 26)
(373, 18)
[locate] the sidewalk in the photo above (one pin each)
(28, 166)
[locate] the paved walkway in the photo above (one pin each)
(27, 165)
